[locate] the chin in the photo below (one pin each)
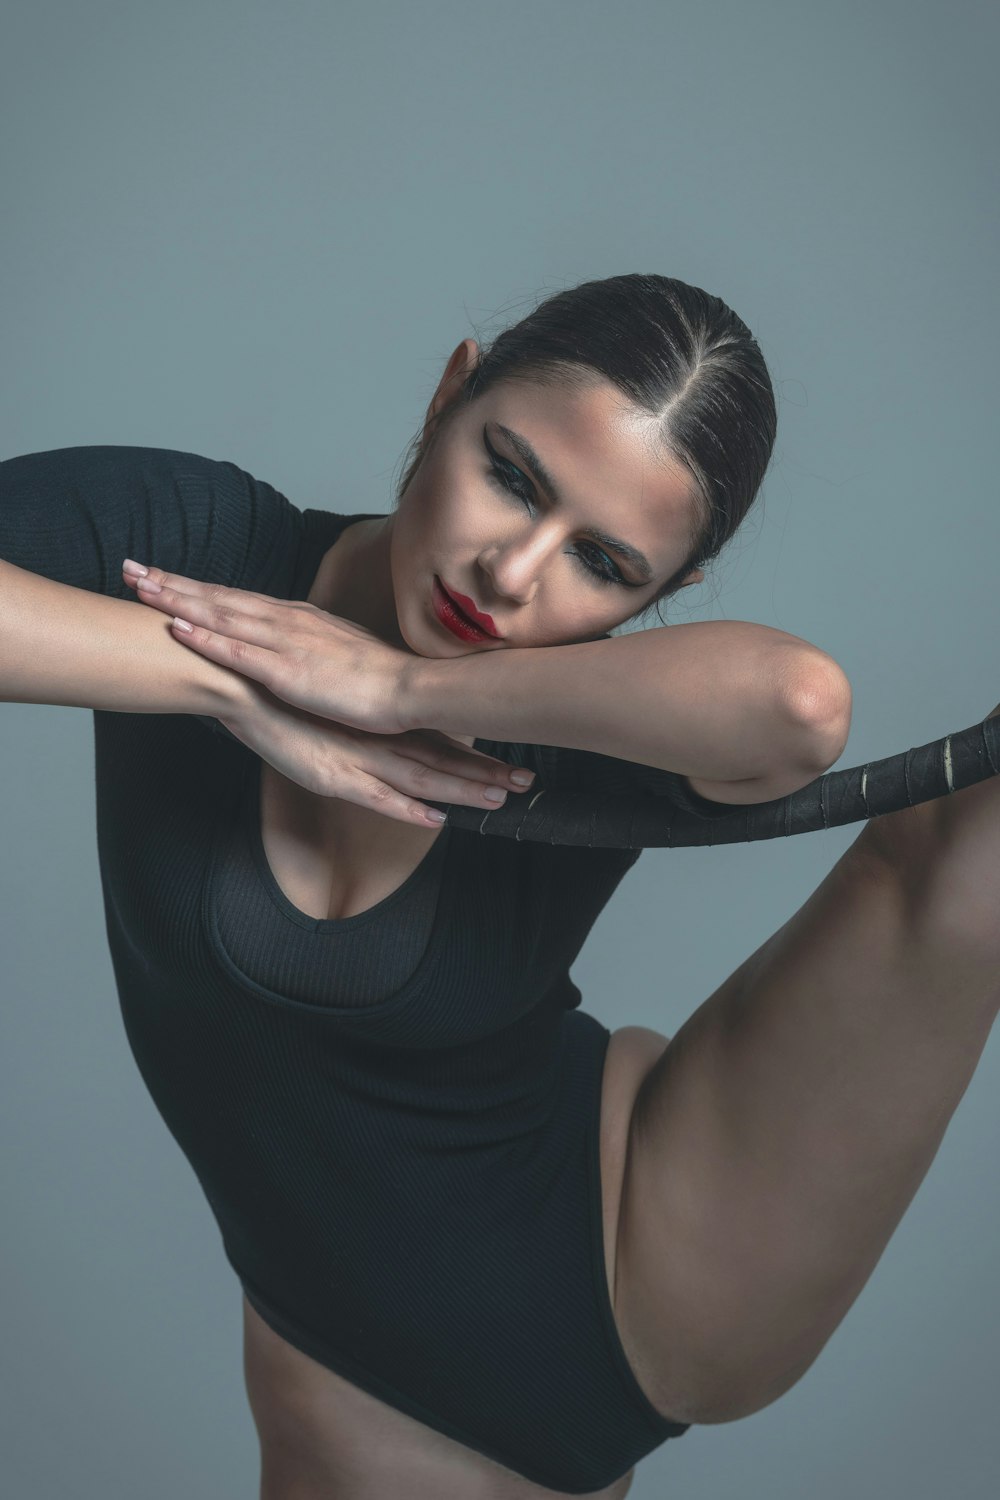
(402, 642)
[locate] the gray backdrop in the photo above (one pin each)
(256, 233)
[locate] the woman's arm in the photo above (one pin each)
(745, 712)
(65, 645)
(752, 712)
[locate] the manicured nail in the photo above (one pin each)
(522, 778)
(182, 624)
(128, 566)
(150, 586)
(495, 794)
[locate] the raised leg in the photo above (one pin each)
(776, 1144)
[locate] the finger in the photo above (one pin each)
(211, 612)
(443, 786)
(165, 591)
(385, 799)
(239, 598)
(247, 659)
(451, 756)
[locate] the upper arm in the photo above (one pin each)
(74, 514)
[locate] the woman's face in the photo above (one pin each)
(476, 518)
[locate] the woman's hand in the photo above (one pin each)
(313, 660)
(388, 773)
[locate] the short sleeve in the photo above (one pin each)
(74, 514)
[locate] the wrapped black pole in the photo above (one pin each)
(649, 821)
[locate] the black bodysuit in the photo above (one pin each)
(394, 1116)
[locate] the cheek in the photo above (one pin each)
(566, 619)
(413, 541)
(432, 514)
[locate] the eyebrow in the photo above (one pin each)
(531, 459)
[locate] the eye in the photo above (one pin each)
(514, 483)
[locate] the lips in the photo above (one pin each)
(469, 610)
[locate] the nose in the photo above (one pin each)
(514, 567)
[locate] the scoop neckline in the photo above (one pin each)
(378, 1011)
(250, 806)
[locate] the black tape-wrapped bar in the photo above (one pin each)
(558, 816)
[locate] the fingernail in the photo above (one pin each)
(150, 585)
(128, 566)
(522, 778)
(494, 794)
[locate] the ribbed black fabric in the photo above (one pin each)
(354, 965)
(394, 1117)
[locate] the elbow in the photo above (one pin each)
(819, 698)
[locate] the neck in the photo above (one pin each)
(354, 580)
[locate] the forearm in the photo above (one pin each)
(718, 700)
(65, 645)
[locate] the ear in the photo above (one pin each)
(695, 576)
(463, 360)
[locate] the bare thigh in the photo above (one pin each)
(778, 1140)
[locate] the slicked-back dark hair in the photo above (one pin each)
(678, 353)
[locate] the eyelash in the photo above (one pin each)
(504, 474)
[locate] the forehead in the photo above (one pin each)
(608, 460)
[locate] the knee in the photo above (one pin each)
(640, 1042)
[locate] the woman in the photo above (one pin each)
(488, 1248)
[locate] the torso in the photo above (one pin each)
(333, 859)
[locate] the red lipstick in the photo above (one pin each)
(460, 615)
(468, 608)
